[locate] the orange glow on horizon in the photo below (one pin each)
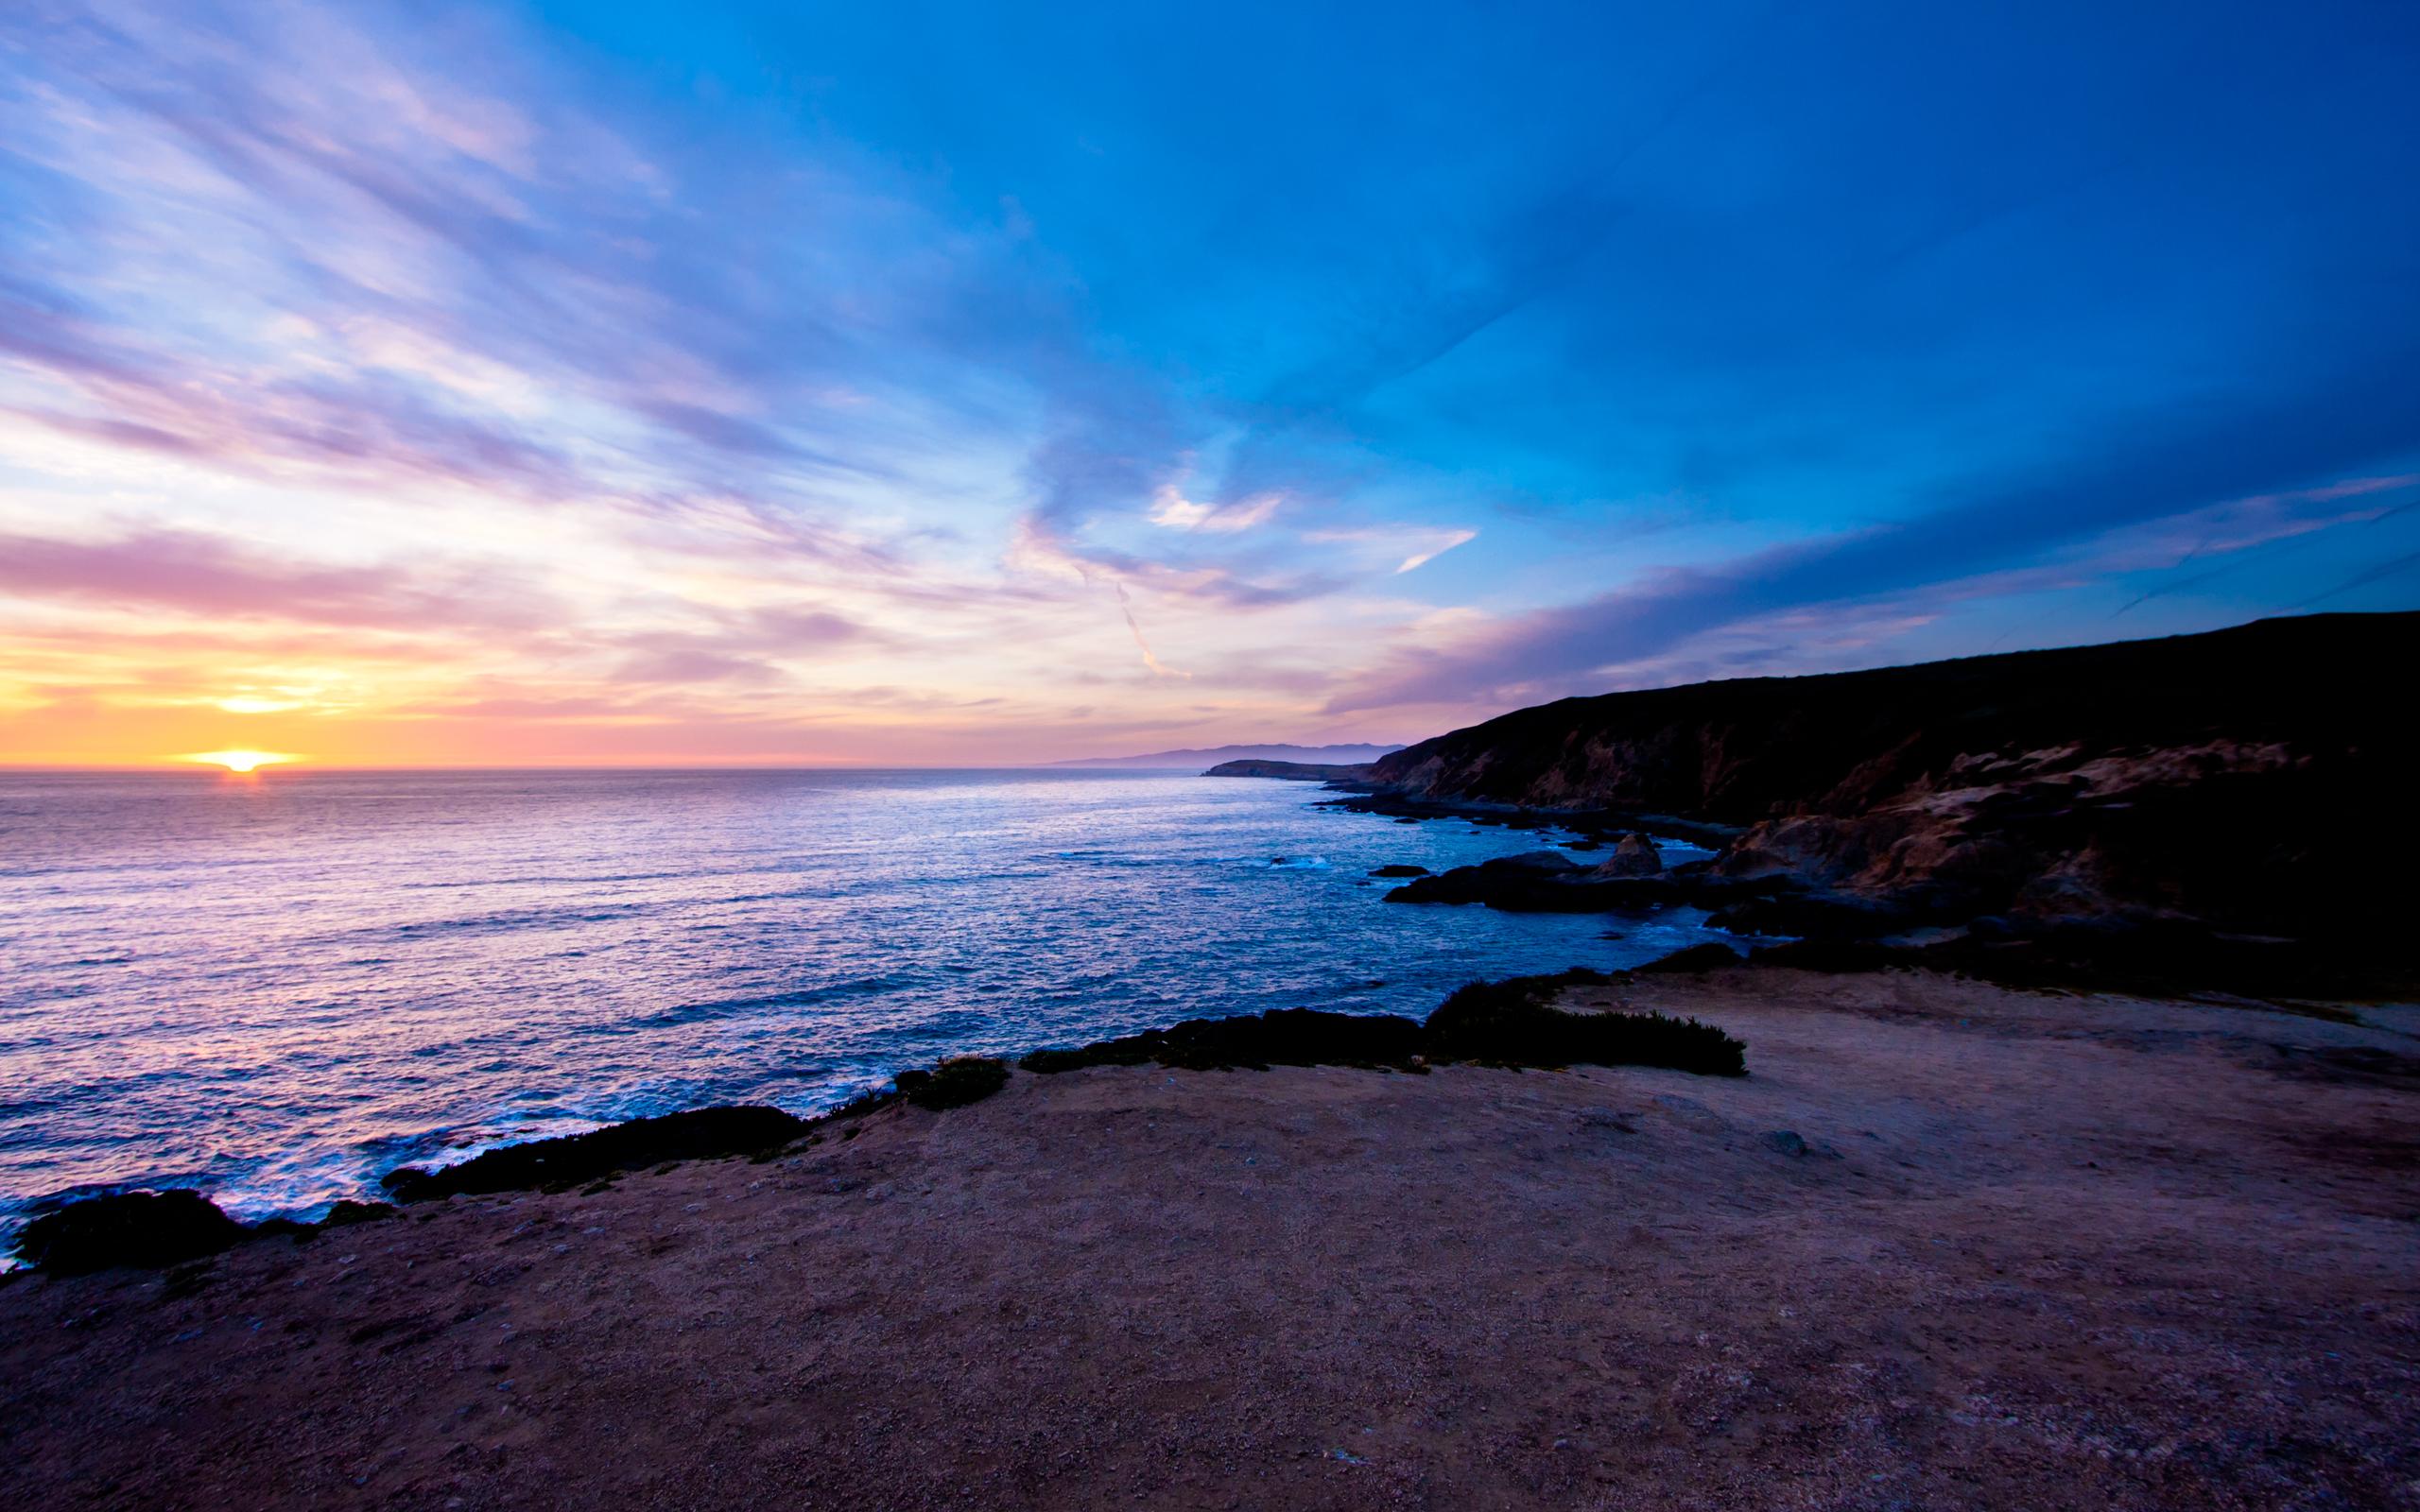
(240, 761)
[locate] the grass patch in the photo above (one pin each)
(146, 1229)
(700, 1134)
(1255, 1042)
(1509, 1023)
(1499, 1023)
(955, 1083)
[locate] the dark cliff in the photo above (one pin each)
(2254, 777)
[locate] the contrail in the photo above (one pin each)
(1125, 605)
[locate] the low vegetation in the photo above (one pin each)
(1508, 1023)
(955, 1083)
(1511, 1023)
(1287, 1037)
(151, 1230)
(699, 1134)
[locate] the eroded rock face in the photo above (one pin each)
(148, 1229)
(2248, 781)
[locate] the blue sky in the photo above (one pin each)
(730, 382)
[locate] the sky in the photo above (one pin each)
(589, 382)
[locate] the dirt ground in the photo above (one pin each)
(1947, 1247)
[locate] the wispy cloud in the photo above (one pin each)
(397, 366)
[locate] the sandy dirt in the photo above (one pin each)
(2013, 1250)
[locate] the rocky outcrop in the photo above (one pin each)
(1634, 855)
(2249, 781)
(1509, 883)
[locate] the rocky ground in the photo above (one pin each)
(1947, 1245)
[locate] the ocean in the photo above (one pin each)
(275, 988)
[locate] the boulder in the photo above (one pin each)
(148, 1229)
(1634, 856)
(1400, 871)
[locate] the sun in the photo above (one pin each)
(239, 761)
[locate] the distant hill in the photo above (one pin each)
(1293, 771)
(1196, 759)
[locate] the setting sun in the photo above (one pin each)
(239, 761)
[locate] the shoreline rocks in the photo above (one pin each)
(2093, 809)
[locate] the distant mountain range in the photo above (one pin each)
(1315, 755)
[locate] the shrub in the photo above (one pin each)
(699, 1134)
(1511, 1023)
(1703, 957)
(1255, 1042)
(956, 1082)
(144, 1229)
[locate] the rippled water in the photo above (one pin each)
(276, 988)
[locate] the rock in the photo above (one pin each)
(1705, 957)
(2250, 781)
(347, 1212)
(1518, 888)
(1537, 861)
(1789, 1142)
(1400, 871)
(146, 1229)
(1634, 855)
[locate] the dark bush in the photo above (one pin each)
(703, 1133)
(1285, 1037)
(1129, 1050)
(1832, 955)
(1509, 1023)
(1501, 1021)
(148, 1229)
(1703, 957)
(954, 1082)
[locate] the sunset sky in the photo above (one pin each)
(585, 382)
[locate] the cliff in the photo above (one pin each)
(2253, 779)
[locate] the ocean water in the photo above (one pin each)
(276, 988)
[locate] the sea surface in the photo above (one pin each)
(277, 988)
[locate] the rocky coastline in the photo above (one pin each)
(1946, 1244)
(2219, 812)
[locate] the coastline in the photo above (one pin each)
(1947, 1242)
